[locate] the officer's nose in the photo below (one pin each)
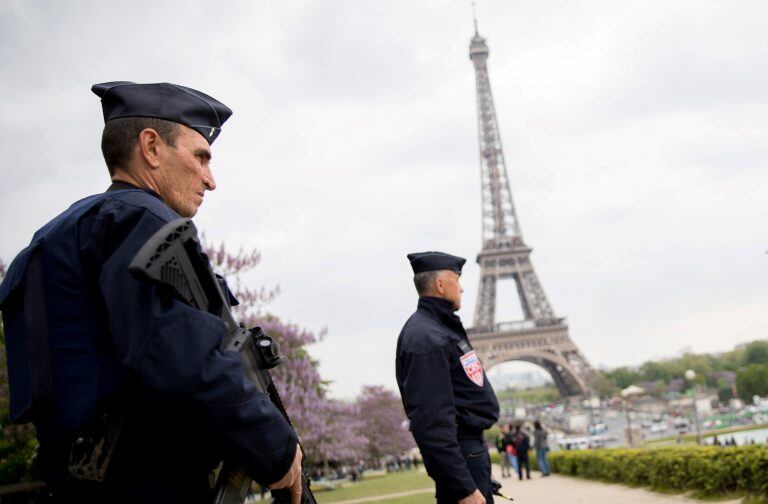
(208, 180)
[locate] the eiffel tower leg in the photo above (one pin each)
(581, 368)
(526, 306)
(564, 379)
(485, 310)
(534, 294)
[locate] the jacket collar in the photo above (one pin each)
(442, 310)
(122, 186)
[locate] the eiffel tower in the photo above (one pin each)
(541, 337)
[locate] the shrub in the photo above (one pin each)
(707, 470)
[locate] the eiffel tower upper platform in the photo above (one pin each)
(541, 337)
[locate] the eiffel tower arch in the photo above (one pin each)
(541, 337)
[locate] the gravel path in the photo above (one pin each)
(563, 489)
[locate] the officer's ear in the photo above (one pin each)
(439, 284)
(150, 145)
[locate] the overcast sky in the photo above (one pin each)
(635, 133)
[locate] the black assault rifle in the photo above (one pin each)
(173, 258)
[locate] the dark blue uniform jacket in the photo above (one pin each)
(119, 342)
(441, 400)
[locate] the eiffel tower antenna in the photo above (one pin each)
(474, 16)
(541, 337)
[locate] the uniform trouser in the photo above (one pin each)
(475, 453)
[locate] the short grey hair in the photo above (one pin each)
(121, 135)
(424, 281)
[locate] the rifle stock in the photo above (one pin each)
(173, 259)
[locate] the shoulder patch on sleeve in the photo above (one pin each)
(472, 367)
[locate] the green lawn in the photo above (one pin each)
(389, 484)
(424, 498)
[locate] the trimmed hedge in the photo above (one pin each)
(708, 470)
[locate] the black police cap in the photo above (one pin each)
(434, 261)
(171, 102)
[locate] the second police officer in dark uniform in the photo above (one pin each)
(445, 392)
(86, 341)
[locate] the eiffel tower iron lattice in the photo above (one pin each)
(541, 337)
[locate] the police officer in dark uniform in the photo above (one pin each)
(93, 351)
(445, 392)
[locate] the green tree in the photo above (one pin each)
(724, 389)
(603, 385)
(724, 392)
(756, 353)
(702, 364)
(623, 377)
(655, 370)
(752, 380)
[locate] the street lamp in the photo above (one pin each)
(627, 394)
(590, 403)
(690, 375)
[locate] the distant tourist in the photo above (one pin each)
(522, 445)
(542, 447)
(511, 452)
(502, 442)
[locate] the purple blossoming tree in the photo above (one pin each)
(385, 423)
(329, 430)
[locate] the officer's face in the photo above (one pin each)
(185, 172)
(449, 288)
